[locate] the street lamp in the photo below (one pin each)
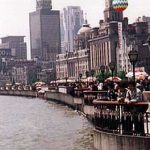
(112, 68)
(148, 42)
(87, 75)
(66, 78)
(102, 69)
(133, 57)
(80, 76)
(77, 55)
(92, 73)
(66, 57)
(58, 62)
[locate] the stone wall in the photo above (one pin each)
(60, 97)
(109, 141)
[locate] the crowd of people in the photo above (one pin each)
(131, 117)
(124, 91)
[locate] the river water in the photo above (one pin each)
(35, 124)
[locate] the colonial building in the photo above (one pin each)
(104, 39)
(22, 71)
(144, 19)
(46, 75)
(71, 64)
(110, 42)
(114, 38)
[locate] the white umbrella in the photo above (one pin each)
(137, 74)
(64, 81)
(89, 79)
(39, 83)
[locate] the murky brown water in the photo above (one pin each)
(34, 124)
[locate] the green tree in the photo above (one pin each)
(102, 76)
(121, 74)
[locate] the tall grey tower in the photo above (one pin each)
(43, 4)
(110, 14)
(71, 22)
(45, 32)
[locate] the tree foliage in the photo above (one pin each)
(102, 76)
(122, 75)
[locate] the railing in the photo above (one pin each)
(121, 118)
(80, 92)
(89, 96)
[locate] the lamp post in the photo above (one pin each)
(66, 78)
(92, 73)
(133, 57)
(80, 76)
(67, 70)
(148, 42)
(77, 55)
(58, 62)
(102, 69)
(112, 68)
(87, 75)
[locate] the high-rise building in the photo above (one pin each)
(71, 22)
(16, 44)
(45, 32)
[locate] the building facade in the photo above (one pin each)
(16, 44)
(71, 64)
(71, 22)
(144, 19)
(104, 39)
(111, 41)
(45, 32)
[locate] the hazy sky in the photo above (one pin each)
(14, 14)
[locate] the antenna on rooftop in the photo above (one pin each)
(85, 16)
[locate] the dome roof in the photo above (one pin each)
(85, 29)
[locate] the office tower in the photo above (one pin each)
(71, 22)
(45, 32)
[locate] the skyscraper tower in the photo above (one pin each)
(43, 4)
(45, 32)
(110, 14)
(71, 22)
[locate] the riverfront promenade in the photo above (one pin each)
(100, 137)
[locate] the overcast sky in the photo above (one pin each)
(14, 14)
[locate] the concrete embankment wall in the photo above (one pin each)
(55, 96)
(19, 93)
(108, 141)
(61, 98)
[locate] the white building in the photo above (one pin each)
(71, 64)
(123, 63)
(123, 49)
(71, 22)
